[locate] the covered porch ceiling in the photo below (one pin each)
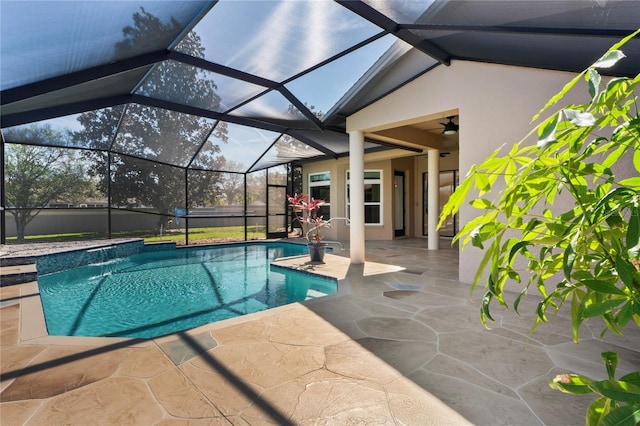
(420, 133)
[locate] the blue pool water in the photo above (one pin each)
(156, 293)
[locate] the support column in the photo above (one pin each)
(356, 196)
(433, 202)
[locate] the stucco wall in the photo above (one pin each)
(495, 104)
(386, 161)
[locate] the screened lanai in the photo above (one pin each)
(191, 120)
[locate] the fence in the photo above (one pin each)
(145, 221)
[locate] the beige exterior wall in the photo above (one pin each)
(389, 162)
(384, 161)
(495, 105)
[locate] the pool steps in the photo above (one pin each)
(17, 274)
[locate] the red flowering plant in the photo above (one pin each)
(306, 213)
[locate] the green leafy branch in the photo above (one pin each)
(586, 256)
(619, 401)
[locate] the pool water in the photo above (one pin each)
(156, 293)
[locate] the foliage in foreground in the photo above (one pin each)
(586, 257)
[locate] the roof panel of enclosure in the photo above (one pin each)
(43, 39)
(161, 135)
(119, 84)
(240, 85)
(69, 131)
(238, 147)
(277, 40)
(197, 87)
(342, 73)
(285, 150)
(273, 107)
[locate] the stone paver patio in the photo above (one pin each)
(401, 343)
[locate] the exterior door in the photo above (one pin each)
(276, 211)
(398, 204)
(448, 184)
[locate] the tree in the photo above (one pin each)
(231, 185)
(256, 187)
(36, 176)
(150, 140)
(587, 257)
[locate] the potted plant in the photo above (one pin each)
(306, 213)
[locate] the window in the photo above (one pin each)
(320, 189)
(372, 197)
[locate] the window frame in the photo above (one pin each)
(379, 181)
(326, 207)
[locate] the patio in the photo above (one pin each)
(401, 343)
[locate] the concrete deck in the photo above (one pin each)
(401, 343)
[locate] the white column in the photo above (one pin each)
(433, 202)
(356, 196)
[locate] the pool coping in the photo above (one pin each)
(33, 328)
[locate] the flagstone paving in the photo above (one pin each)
(400, 344)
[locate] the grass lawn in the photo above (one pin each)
(215, 233)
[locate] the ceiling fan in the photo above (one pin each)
(450, 128)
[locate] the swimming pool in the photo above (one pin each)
(155, 293)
